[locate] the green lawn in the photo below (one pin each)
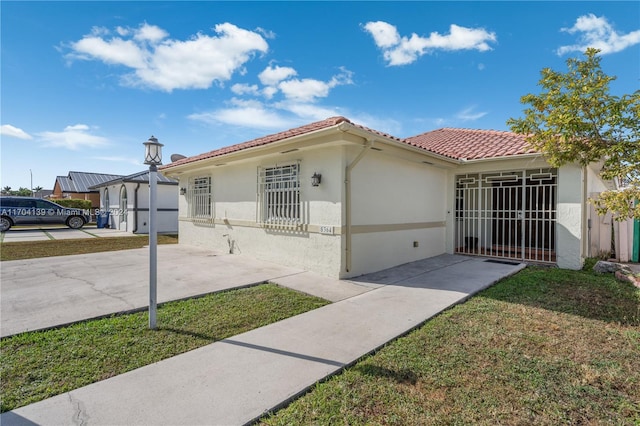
(35, 249)
(38, 365)
(544, 347)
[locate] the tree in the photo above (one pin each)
(576, 120)
(6, 190)
(22, 192)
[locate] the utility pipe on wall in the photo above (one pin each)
(347, 201)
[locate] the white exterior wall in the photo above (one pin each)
(570, 221)
(167, 199)
(126, 220)
(599, 230)
(396, 204)
(236, 227)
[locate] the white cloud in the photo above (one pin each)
(597, 32)
(307, 112)
(469, 114)
(115, 159)
(150, 33)
(283, 102)
(250, 114)
(271, 76)
(167, 64)
(385, 35)
(73, 137)
(305, 90)
(404, 50)
(244, 89)
(9, 130)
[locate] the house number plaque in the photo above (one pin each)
(326, 230)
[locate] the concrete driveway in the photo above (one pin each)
(53, 291)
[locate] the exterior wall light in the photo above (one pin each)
(183, 191)
(316, 179)
(153, 152)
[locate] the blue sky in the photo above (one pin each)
(84, 84)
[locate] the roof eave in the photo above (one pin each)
(169, 170)
(375, 137)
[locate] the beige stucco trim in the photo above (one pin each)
(316, 229)
(391, 227)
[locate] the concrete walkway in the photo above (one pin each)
(237, 380)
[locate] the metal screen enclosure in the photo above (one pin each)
(507, 214)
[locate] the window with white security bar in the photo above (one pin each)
(279, 193)
(199, 197)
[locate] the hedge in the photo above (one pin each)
(73, 203)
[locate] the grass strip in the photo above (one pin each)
(39, 365)
(544, 347)
(36, 249)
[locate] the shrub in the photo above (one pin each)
(74, 203)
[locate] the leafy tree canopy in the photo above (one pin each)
(576, 120)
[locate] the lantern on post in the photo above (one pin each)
(153, 157)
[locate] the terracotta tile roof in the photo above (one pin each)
(457, 144)
(264, 140)
(470, 144)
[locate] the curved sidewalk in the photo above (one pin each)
(239, 379)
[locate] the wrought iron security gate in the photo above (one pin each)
(507, 214)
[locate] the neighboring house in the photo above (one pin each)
(126, 198)
(43, 193)
(77, 185)
(342, 200)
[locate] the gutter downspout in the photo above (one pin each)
(135, 209)
(347, 201)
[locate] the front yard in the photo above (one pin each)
(544, 347)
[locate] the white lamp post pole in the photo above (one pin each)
(153, 157)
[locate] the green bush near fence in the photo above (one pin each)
(73, 203)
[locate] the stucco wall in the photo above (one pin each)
(126, 220)
(235, 226)
(569, 228)
(398, 212)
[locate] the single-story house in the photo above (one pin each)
(77, 185)
(341, 199)
(126, 199)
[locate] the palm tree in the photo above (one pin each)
(6, 190)
(36, 190)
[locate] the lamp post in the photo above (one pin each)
(153, 157)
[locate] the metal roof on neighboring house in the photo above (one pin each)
(82, 181)
(457, 144)
(140, 177)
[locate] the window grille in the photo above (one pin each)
(199, 197)
(279, 193)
